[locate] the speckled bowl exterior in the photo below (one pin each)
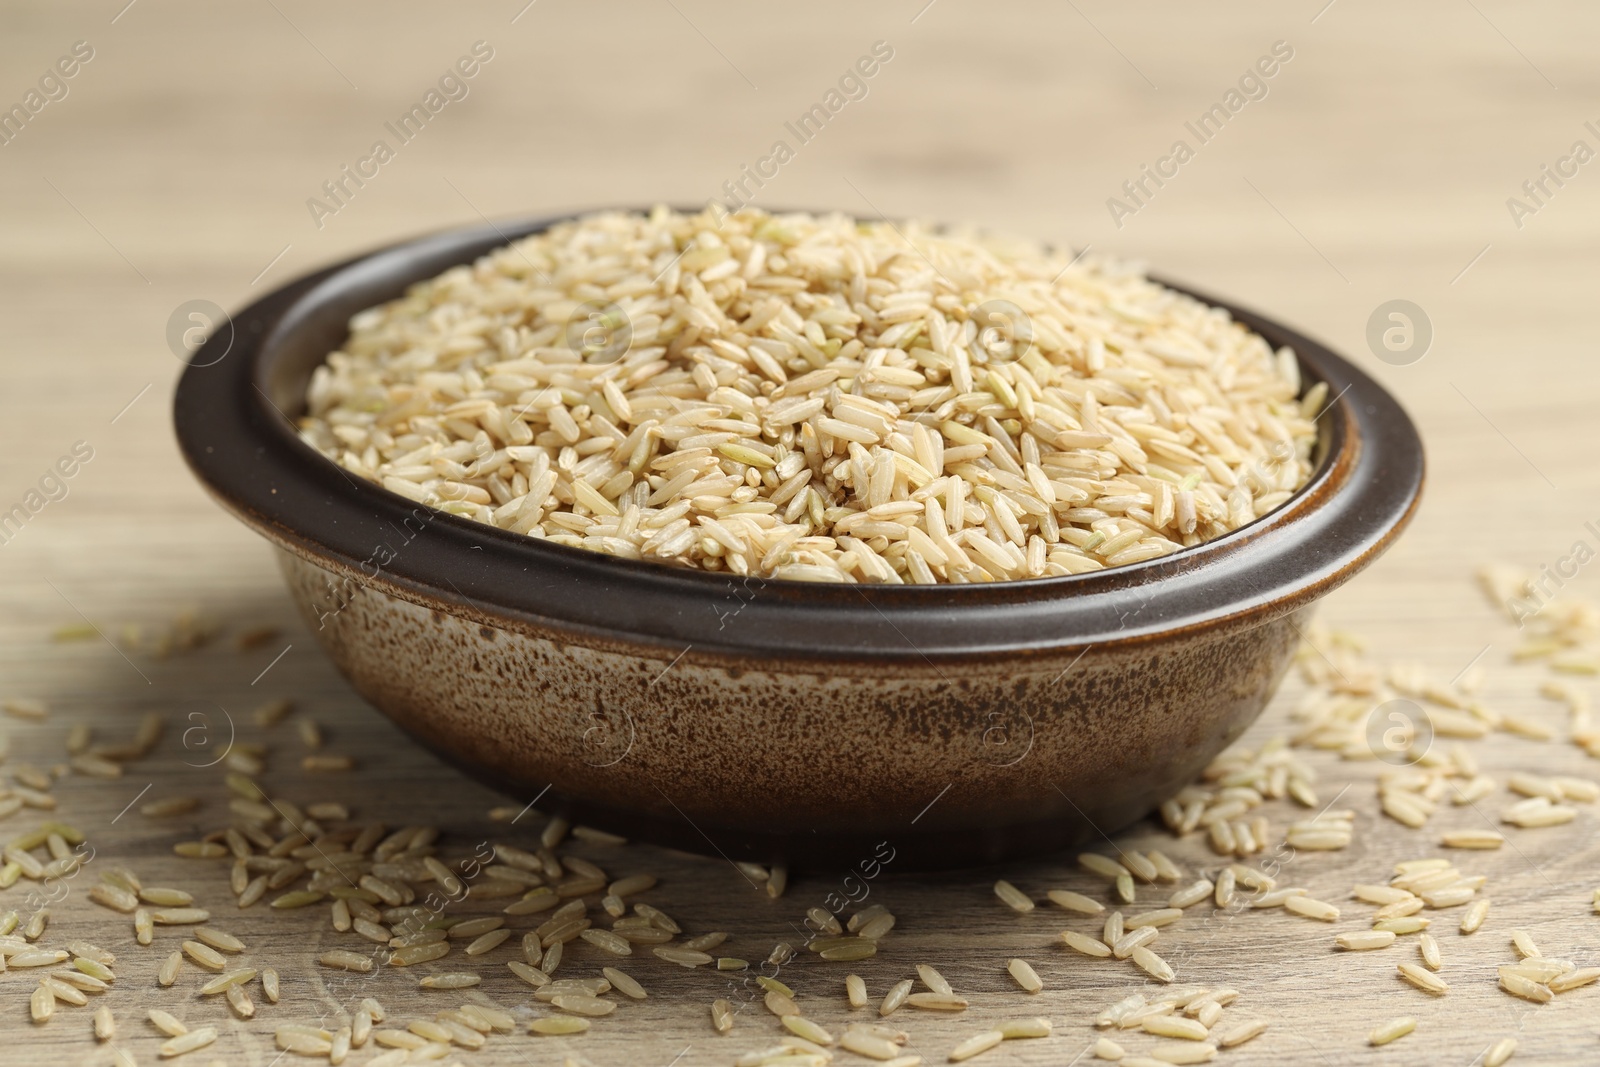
(763, 719)
(759, 760)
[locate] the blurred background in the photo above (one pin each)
(180, 161)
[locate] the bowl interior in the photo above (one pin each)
(319, 324)
(233, 417)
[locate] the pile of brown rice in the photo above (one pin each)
(817, 398)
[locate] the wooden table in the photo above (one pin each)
(1378, 166)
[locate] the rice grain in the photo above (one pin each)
(1066, 898)
(1500, 1052)
(976, 1044)
(1424, 980)
(1012, 897)
(1024, 974)
(189, 1042)
(1392, 1030)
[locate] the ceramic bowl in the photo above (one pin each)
(768, 719)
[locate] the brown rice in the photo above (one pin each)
(817, 398)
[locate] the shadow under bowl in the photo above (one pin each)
(763, 719)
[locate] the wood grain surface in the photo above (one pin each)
(1377, 166)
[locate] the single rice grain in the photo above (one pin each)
(1012, 897)
(896, 997)
(1500, 1052)
(976, 1044)
(1423, 979)
(1240, 1034)
(1392, 1030)
(1024, 974)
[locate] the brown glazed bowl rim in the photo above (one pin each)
(235, 400)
